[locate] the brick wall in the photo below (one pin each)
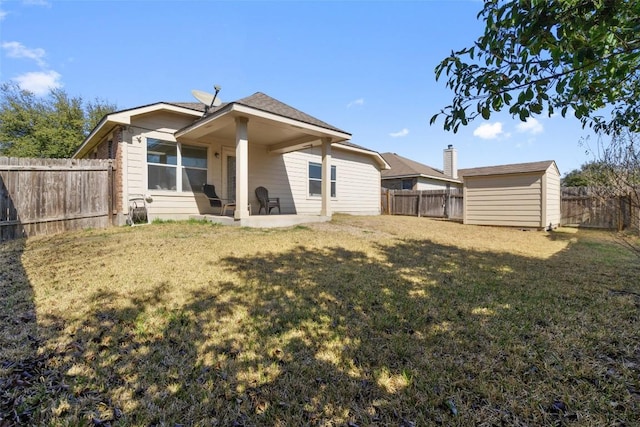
(111, 148)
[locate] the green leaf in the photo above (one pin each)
(507, 98)
(587, 51)
(529, 94)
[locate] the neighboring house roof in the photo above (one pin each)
(507, 169)
(401, 167)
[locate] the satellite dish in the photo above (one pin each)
(208, 99)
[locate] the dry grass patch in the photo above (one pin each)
(369, 321)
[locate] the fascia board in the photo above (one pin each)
(383, 164)
(123, 118)
(107, 124)
(321, 131)
(437, 178)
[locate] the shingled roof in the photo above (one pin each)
(507, 169)
(263, 102)
(198, 106)
(403, 167)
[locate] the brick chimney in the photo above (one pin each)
(451, 162)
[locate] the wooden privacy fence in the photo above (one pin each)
(45, 196)
(428, 203)
(585, 207)
(579, 207)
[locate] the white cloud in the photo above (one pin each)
(489, 131)
(18, 50)
(403, 132)
(357, 102)
(39, 82)
(37, 3)
(3, 14)
(531, 126)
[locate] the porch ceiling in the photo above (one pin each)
(279, 134)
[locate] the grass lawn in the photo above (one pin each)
(390, 321)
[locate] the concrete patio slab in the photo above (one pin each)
(264, 221)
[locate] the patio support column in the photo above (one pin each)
(326, 177)
(242, 168)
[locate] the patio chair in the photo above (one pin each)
(209, 191)
(267, 203)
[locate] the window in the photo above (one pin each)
(315, 179)
(194, 168)
(172, 166)
(407, 184)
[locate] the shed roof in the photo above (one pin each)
(530, 167)
(402, 167)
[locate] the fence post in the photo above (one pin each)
(447, 198)
(110, 193)
(419, 200)
(389, 210)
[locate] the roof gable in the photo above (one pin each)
(263, 102)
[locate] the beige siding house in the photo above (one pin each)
(165, 152)
(518, 195)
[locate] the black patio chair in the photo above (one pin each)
(209, 191)
(267, 203)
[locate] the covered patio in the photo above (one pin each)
(265, 128)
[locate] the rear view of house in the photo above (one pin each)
(518, 195)
(166, 151)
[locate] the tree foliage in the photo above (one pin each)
(574, 178)
(45, 127)
(590, 174)
(550, 56)
(621, 163)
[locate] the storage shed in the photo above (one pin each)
(517, 195)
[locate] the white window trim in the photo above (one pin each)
(178, 166)
(319, 196)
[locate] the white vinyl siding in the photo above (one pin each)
(434, 184)
(530, 200)
(358, 184)
(552, 186)
(285, 176)
(165, 204)
(510, 200)
(357, 181)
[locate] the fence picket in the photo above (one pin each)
(579, 206)
(428, 203)
(44, 196)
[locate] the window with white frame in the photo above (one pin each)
(315, 179)
(173, 166)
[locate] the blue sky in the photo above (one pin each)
(363, 66)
